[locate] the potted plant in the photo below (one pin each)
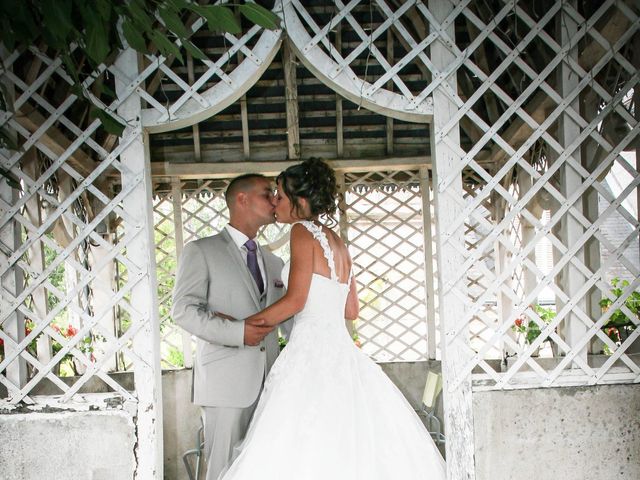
(619, 326)
(528, 328)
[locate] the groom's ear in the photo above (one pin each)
(242, 198)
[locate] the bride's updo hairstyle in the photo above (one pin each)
(314, 181)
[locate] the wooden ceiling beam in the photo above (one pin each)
(339, 113)
(389, 86)
(195, 128)
(244, 118)
(291, 98)
(186, 171)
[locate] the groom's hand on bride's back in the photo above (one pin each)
(254, 334)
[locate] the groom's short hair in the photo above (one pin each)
(240, 184)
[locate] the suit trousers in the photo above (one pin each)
(224, 427)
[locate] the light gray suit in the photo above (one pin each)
(228, 375)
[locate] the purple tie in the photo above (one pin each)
(252, 263)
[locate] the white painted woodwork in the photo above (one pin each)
(475, 251)
(36, 260)
(571, 181)
(12, 320)
(227, 170)
(429, 260)
(335, 72)
(176, 196)
(102, 293)
(636, 100)
(195, 105)
(448, 195)
(11, 277)
(146, 344)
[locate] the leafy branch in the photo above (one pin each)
(88, 33)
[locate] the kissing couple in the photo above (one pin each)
(320, 410)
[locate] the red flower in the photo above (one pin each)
(518, 322)
(71, 331)
(1, 342)
(55, 327)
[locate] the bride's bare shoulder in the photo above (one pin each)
(300, 234)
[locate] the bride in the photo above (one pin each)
(327, 411)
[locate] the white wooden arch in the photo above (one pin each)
(323, 57)
(194, 105)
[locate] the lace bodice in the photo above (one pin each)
(321, 237)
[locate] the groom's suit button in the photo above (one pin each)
(262, 349)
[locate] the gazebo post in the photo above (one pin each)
(176, 196)
(146, 343)
(425, 188)
(446, 159)
(570, 232)
(13, 280)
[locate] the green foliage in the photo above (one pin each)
(619, 318)
(175, 358)
(259, 16)
(529, 328)
(218, 18)
(86, 33)
(619, 325)
(57, 280)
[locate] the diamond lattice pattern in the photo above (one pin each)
(549, 132)
(385, 225)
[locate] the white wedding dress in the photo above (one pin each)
(327, 411)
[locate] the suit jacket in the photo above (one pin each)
(213, 276)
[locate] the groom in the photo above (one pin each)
(229, 273)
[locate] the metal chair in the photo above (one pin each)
(432, 389)
(198, 456)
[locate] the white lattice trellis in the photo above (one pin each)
(386, 238)
(532, 109)
(567, 177)
(394, 319)
(312, 32)
(233, 65)
(72, 212)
